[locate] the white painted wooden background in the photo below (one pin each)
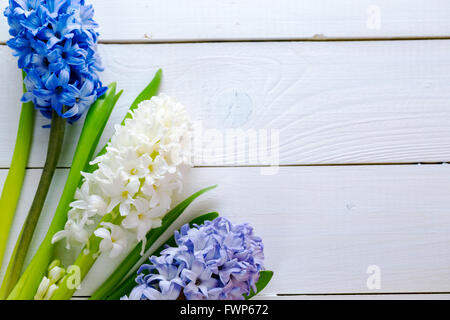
(357, 111)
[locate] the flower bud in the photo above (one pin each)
(42, 290)
(56, 274)
(50, 291)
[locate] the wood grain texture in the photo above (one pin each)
(184, 20)
(327, 224)
(331, 103)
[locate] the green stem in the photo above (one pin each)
(14, 180)
(26, 235)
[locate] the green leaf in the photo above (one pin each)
(117, 97)
(149, 91)
(264, 279)
(16, 174)
(126, 286)
(135, 255)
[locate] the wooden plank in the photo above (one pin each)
(183, 20)
(322, 226)
(329, 102)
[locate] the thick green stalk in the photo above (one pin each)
(94, 124)
(115, 288)
(26, 235)
(14, 180)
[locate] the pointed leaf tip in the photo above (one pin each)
(117, 97)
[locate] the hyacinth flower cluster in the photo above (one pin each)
(33, 283)
(56, 44)
(135, 180)
(215, 261)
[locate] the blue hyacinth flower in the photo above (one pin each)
(56, 45)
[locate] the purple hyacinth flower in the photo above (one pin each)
(198, 281)
(216, 261)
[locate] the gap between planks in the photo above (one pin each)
(294, 165)
(309, 39)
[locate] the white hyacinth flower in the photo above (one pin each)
(143, 218)
(114, 239)
(136, 178)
